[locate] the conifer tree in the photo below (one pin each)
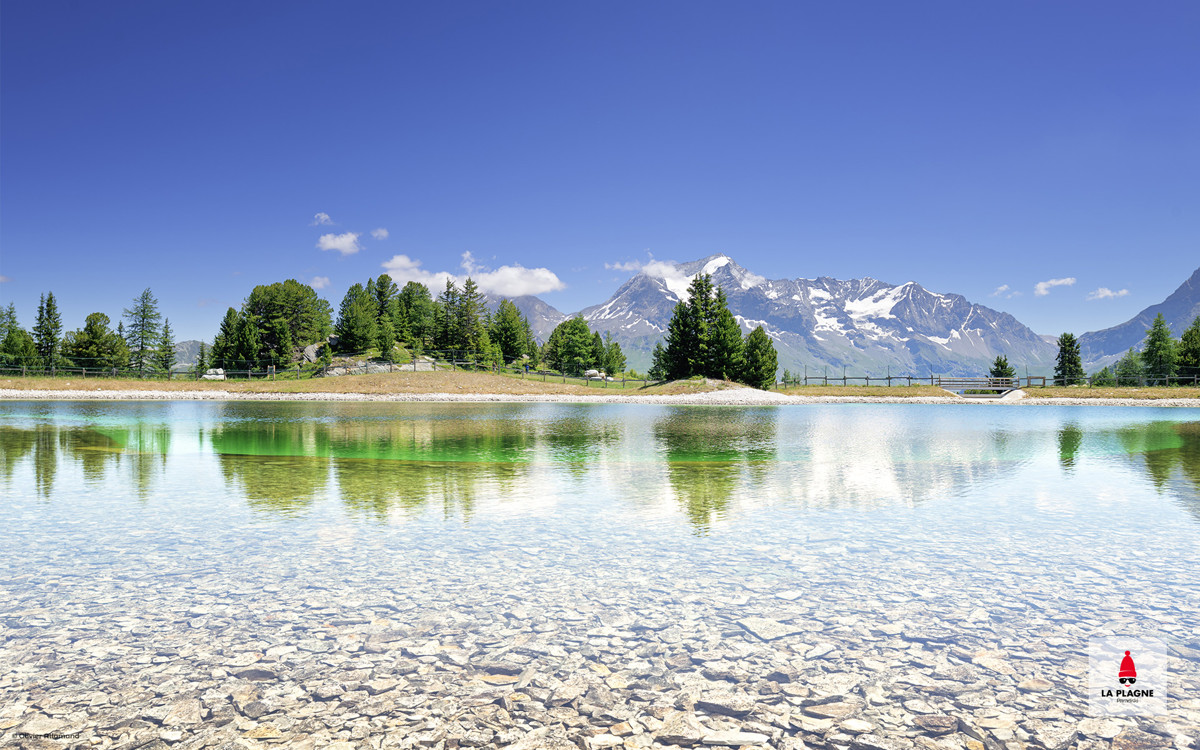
(8, 320)
(1068, 369)
(1001, 368)
(165, 357)
(614, 358)
(725, 349)
(385, 293)
(658, 363)
(1189, 349)
(47, 330)
(356, 327)
(1159, 356)
(1104, 378)
(142, 334)
(508, 330)
(761, 361)
(385, 339)
(223, 345)
(1129, 369)
(202, 359)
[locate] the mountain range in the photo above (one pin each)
(864, 325)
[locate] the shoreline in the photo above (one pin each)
(726, 397)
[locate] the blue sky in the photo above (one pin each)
(191, 146)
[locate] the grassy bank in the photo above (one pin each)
(1085, 391)
(397, 382)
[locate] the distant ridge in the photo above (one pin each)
(1179, 309)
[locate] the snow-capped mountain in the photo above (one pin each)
(864, 325)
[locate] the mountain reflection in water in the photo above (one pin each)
(385, 462)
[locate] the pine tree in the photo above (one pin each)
(223, 345)
(445, 318)
(1068, 370)
(1159, 355)
(725, 349)
(165, 357)
(385, 293)
(658, 363)
(1001, 368)
(614, 358)
(202, 359)
(1104, 378)
(681, 340)
(761, 360)
(356, 328)
(470, 319)
(570, 347)
(508, 330)
(530, 345)
(47, 330)
(143, 331)
(8, 320)
(247, 344)
(1129, 369)
(1189, 349)
(385, 339)
(413, 314)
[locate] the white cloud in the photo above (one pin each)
(380, 233)
(319, 282)
(346, 244)
(404, 269)
(320, 219)
(1005, 291)
(507, 281)
(631, 266)
(4, 279)
(1106, 293)
(676, 280)
(1042, 288)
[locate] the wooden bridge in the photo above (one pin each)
(990, 387)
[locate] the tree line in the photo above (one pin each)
(277, 322)
(146, 344)
(1162, 357)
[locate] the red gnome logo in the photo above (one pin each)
(1128, 673)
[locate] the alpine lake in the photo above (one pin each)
(378, 575)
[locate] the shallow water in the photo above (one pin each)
(167, 543)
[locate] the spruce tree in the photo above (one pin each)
(143, 330)
(47, 330)
(681, 340)
(470, 319)
(658, 363)
(165, 357)
(356, 327)
(1104, 378)
(202, 359)
(1001, 368)
(385, 293)
(8, 320)
(614, 358)
(223, 344)
(508, 330)
(385, 339)
(1129, 370)
(1189, 350)
(1068, 369)
(725, 348)
(761, 361)
(1159, 355)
